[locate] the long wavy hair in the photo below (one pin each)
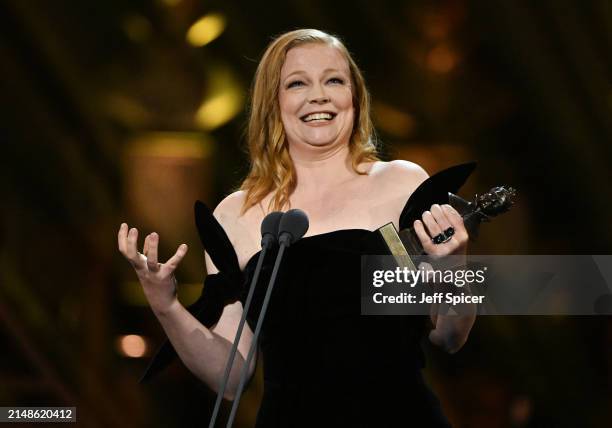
(271, 168)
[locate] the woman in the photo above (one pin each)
(310, 141)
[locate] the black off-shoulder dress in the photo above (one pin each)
(324, 364)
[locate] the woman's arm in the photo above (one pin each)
(450, 332)
(204, 351)
(400, 178)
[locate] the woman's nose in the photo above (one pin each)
(317, 95)
(319, 100)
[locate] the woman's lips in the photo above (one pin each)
(319, 122)
(318, 116)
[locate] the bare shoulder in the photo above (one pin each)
(400, 173)
(390, 187)
(229, 208)
(241, 229)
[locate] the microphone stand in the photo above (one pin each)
(269, 232)
(291, 227)
(232, 354)
(262, 314)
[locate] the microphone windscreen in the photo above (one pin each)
(295, 223)
(269, 227)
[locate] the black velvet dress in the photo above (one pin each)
(325, 365)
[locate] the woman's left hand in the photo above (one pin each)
(449, 332)
(443, 220)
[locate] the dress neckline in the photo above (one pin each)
(312, 237)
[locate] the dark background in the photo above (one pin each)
(99, 125)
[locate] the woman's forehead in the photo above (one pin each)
(314, 57)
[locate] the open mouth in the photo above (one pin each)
(318, 117)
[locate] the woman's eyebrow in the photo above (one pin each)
(294, 72)
(326, 71)
(331, 70)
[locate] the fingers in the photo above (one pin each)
(456, 221)
(130, 250)
(152, 245)
(122, 238)
(145, 247)
(132, 238)
(438, 220)
(174, 261)
(432, 225)
(127, 240)
(440, 217)
(419, 228)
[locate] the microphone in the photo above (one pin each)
(269, 229)
(269, 234)
(292, 227)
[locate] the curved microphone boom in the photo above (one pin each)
(292, 227)
(269, 238)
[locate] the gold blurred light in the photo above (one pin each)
(181, 145)
(132, 346)
(441, 59)
(127, 110)
(217, 110)
(393, 121)
(225, 99)
(206, 29)
(163, 174)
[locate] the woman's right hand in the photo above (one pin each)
(157, 279)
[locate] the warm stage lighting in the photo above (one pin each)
(218, 110)
(206, 29)
(132, 346)
(393, 121)
(441, 59)
(172, 145)
(223, 101)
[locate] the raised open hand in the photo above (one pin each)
(157, 279)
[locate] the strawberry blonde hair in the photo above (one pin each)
(271, 167)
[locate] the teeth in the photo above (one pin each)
(318, 116)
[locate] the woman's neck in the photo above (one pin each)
(321, 167)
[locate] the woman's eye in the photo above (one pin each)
(295, 83)
(336, 80)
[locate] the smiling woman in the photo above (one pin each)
(310, 143)
(302, 72)
(316, 100)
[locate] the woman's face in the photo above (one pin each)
(315, 96)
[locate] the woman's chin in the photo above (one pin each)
(323, 140)
(319, 143)
(318, 140)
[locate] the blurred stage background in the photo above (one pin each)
(119, 111)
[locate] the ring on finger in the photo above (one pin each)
(443, 237)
